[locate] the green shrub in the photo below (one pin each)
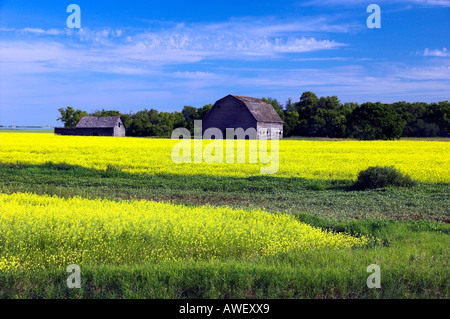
(383, 176)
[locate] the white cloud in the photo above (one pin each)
(35, 31)
(42, 31)
(443, 3)
(440, 53)
(427, 3)
(240, 38)
(102, 36)
(272, 27)
(123, 52)
(426, 73)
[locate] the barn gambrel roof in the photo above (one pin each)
(261, 111)
(94, 121)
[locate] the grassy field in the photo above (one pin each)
(226, 235)
(24, 130)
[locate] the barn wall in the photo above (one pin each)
(229, 113)
(119, 130)
(269, 130)
(65, 131)
(99, 131)
(92, 131)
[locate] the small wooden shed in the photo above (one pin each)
(95, 126)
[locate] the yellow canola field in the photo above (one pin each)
(41, 231)
(424, 160)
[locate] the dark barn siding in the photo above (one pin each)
(65, 131)
(244, 112)
(95, 126)
(229, 113)
(99, 131)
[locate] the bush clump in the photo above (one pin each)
(383, 176)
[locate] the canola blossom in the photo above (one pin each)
(427, 161)
(44, 231)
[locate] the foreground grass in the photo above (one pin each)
(414, 264)
(412, 250)
(332, 199)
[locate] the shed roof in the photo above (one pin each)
(262, 111)
(94, 121)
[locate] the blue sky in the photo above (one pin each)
(131, 55)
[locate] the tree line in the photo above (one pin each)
(311, 116)
(142, 123)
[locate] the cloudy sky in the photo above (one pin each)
(131, 55)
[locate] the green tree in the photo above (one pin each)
(439, 113)
(104, 112)
(336, 116)
(308, 102)
(372, 121)
(126, 119)
(178, 120)
(327, 117)
(70, 117)
(191, 114)
(290, 105)
(140, 124)
(203, 110)
(324, 116)
(410, 113)
(290, 122)
(306, 109)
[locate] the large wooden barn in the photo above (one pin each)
(95, 126)
(244, 112)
